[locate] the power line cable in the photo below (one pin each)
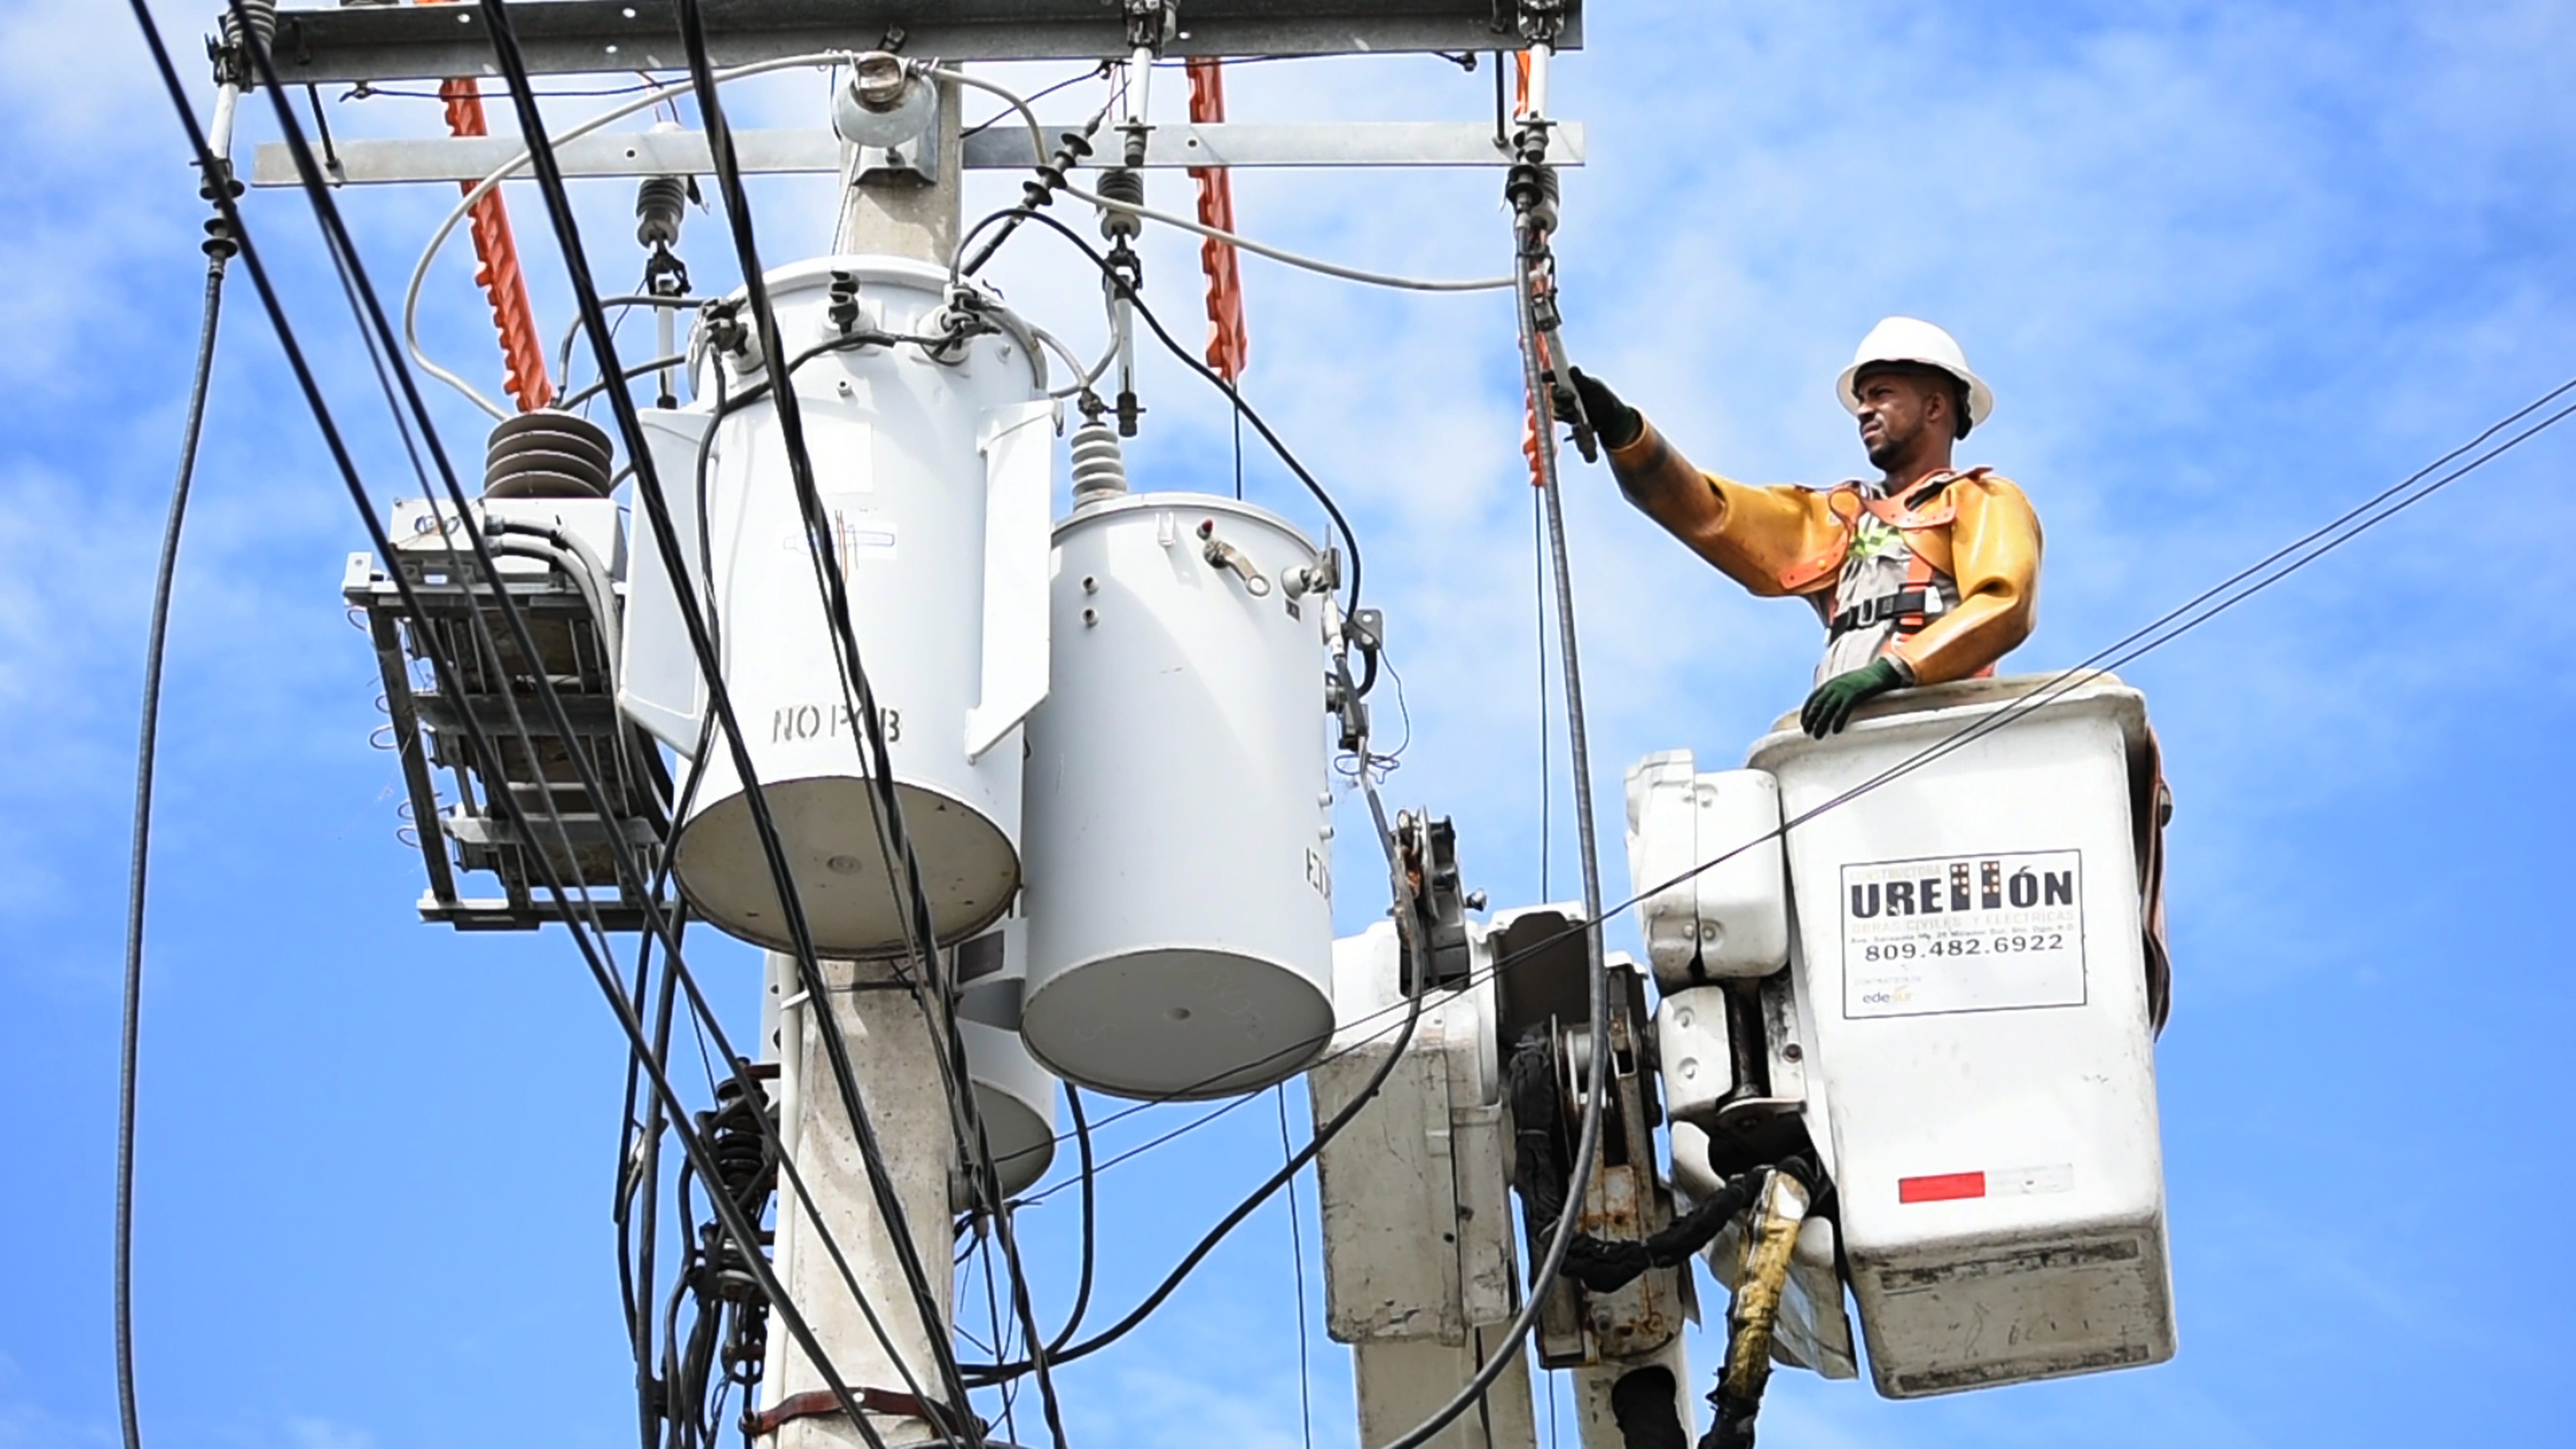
(354, 281)
(1037, 142)
(1297, 1259)
(1532, 257)
(550, 181)
(987, 1374)
(345, 463)
(1090, 1221)
(860, 702)
(219, 250)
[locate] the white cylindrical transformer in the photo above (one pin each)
(933, 473)
(1013, 1094)
(1178, 805)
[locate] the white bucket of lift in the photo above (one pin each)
(934, 477)
(1179, 809)
(1014, 1095)
(1979, 1065)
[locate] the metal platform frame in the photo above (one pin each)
(430, 734)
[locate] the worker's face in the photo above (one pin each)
(1898, 411)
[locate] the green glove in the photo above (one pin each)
(1615, 421)
(1830, 707)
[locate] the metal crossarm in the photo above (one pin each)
(562, 37)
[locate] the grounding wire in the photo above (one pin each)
(1037, 140)
(347, 467)
(218, 249)
(353, 274)
(550, 181)
(887, 805)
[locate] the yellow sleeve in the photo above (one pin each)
(1753, 535)
(1994, 550)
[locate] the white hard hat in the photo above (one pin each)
(1907, 339)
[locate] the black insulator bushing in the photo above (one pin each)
(660, 203)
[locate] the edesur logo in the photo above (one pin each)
(1962, 885)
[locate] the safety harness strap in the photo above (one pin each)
(1910, 608)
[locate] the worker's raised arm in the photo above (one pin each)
(1758, 537)
(1995, 546)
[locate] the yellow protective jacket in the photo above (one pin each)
(1786, 540)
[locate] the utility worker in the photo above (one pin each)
(1925, 575)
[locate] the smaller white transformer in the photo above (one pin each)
(1178, 814)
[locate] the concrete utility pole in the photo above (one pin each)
(885, 210)
(896, 1057)
(889, 210)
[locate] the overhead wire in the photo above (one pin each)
(526, 159)
(886, 804)
(353, 274)
(1037, 140)
(541, 157)
(342, 459)
(1297, 1261)
(219, 251)
(1531, 255)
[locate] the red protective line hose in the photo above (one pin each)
(1228, 344)
(496, 256)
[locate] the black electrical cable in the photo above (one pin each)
(858, 694)
(219, 251)
(1090, 1222)
(550, 181)
(1297, 1260)
(1532, 248)
(353, 272)
(886, 803)
(635, 1261)
(984, 1375)
(310, 387)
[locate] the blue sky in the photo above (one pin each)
(2229, 268)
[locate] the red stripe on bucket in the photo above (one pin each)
(1946, 1187)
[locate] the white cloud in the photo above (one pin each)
(304, 1433)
